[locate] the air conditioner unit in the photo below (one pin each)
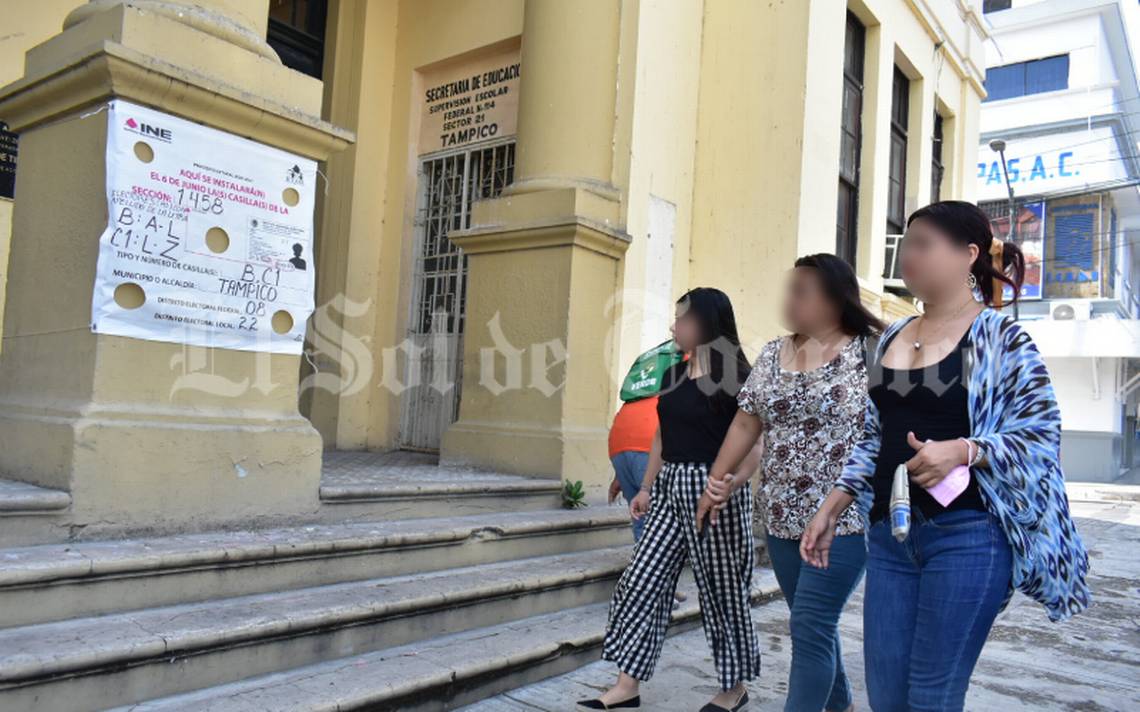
(1070, 310)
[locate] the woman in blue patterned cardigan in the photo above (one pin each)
(961, 385)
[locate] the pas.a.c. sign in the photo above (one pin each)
(1039, 165)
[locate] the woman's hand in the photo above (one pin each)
(640, 505)
(720, 490)
(715, 498)
(706, 507)
(934, 460)
(815, 544)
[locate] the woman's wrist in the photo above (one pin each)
(974, 453)
(835, 504)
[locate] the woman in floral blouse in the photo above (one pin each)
(807, 395)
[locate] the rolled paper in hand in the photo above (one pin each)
(951, 485)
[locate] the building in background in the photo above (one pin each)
(1062, 95)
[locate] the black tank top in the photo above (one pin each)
(934, 404)
(693, 423)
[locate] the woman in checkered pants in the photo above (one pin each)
(696, 407)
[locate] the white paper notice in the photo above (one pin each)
(209, 240)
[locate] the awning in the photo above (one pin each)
(1089, 338)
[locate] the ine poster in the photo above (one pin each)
(209, 239)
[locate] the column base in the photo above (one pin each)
(146, 471)
(538, 386)
(535, 451)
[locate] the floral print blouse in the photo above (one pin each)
(812, 419)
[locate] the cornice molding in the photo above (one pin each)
(575, 231)
(115, 71)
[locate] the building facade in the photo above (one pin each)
(1061, 95)
(511, 196)
(310, 306)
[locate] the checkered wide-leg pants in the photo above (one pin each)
(722, 558)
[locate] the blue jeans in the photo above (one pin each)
(629, 467)
(929, 605)
(816, 598)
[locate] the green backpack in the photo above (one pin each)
(644, 377)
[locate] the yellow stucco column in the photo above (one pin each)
(144, 434)
(544, 259)
(568, 95)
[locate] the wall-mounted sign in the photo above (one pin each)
(209, 240)
(470, 102)
(7, 162)
(1047, 164)
(1078, 248)
(1029, 235)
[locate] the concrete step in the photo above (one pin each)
(118, 659)
(29, 513)
(355, 486)
(404, 485)
(23, 498)
(438, 674)
(58, 581)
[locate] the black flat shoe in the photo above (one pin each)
(710, 707)
(632, 703)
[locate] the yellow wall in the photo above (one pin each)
(26, 24)
(746, 197)
(662, 158)
(367, 232)
(767, 159)
(730, 112)
(735, 122)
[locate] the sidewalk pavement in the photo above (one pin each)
(1089, 663)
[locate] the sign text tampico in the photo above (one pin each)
(470, 102)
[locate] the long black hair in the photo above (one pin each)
(728, 366)
(966, 224)
(842, 290)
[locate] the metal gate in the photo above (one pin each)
(449, 185)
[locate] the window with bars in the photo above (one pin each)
(851, 139)
(451, 185)
(937, 168)
(297, 33)
(896, 176)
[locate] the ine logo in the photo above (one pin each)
(149, 130)
(294, 176)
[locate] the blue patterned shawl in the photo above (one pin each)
(1014, 415)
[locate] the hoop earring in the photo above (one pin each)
(971, 281)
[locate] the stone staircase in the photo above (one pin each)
(417, 587)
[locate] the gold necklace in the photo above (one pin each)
(922, 319)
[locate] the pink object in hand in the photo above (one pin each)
(951, 485)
